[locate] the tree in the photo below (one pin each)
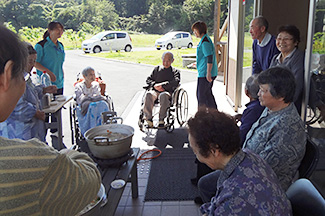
(200, 10)
(129, 8)
(16, 12)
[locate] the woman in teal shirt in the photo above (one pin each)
(51, 55)
(206, 65)
(207, 72)
(50, 58)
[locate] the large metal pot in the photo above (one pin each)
(102, 146)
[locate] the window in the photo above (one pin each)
(185, 35)
(109, 36)
(121, 35)
(178, 36)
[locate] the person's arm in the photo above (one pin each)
(285, 149)
(24, 110)
(209, 68)
(70, 184)
(255, 64)
(50, 89)
(297, 68)
(96, 88)
(207, 49)
(151, 80)
(79, 94)
(249, 117)
(274, 52)
(39, 66)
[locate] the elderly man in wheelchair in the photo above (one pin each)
(161, 84)
(90, 102)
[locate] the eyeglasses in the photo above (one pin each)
(283, 39)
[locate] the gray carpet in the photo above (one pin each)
(170, 173)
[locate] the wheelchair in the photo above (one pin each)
(314, 114)
(178, 110)
(107, 117)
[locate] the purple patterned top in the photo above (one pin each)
(248, 186)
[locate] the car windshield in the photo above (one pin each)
(99, 36)
(168, 35)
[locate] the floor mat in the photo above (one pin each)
(170, 173)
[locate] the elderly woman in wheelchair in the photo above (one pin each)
(90, 102)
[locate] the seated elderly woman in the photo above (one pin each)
(90, 102)
(253, 108)
(247, 185)
(28, 120)
(291, 57)
(279, 135)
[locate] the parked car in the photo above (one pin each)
(107, 41)
(174, 40)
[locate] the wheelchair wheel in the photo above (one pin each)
(181, 107)
(74, 123)
(141, 121)
(170, 120)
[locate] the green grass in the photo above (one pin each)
(147, 57)
(154, 57)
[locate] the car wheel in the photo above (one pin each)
(86, 52)
(190, 45)
(128, 48)
(169, 47)
(97, 49)
(158, 48)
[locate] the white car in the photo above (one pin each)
(108, 41)
(174, 40)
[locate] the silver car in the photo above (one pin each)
(174, 40)
(108, 41)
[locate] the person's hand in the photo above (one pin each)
(40, 115)
(159, 88)
(50, 89)
(52, 75)
(208, 76)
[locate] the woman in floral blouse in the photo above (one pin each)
(245, 183)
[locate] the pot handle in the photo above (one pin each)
(101, 140)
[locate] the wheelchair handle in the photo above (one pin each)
(146, 87)
(114, 120)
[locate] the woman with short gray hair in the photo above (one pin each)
(278, 136)
(90, 102)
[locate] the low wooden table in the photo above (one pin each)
(127, 172)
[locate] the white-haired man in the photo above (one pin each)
(162, 82)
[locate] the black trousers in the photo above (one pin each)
(202, 169)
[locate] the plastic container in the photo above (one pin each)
(45, 79)
(36, 79)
